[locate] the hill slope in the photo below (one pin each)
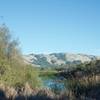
(57, 59)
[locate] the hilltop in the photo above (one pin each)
(57, 59)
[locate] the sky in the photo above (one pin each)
(48, 26)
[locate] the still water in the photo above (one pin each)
(55, 84)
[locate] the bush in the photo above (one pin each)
(13, 70)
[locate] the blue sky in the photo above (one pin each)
(45, 26)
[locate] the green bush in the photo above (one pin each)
(13, 70)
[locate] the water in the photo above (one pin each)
(55, 84)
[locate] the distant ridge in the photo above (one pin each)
(57, 59)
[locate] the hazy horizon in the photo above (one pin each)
(49, 26)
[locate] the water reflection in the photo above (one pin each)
(55, 84)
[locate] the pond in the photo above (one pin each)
(55, 84)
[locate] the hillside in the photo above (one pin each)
(57, 59)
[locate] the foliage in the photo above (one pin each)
(13, 70)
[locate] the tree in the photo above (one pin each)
(8, 46)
